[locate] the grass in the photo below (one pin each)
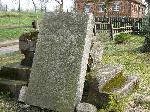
(134, 61)
(15, 18)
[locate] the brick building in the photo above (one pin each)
(121, 8)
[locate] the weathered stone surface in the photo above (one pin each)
(86, 107)
(23, 90)
(110, 76)
(141, 99)
(131, 84)
(96, 53)
(27, 45)
(60, 62)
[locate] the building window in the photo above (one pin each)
(135, 8)
(87, 8)
(116, 6)
(142, 11)
(139, 9)
(101, 7)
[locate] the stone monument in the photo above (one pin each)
(60, 61)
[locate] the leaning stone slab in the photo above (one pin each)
(60, 61)
(86, 107)
(97, 53)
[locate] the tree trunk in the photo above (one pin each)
(19, 7)
(149, 7)
(61, 3)
(34, 5)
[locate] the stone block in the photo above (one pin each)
(131, 84)
(86, 107)
(97, 53)
(60, 61)
(11, 86)
(23, 90)
(15, 71)
(110, 77)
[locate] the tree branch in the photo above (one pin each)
(34, 5)
(58, 1)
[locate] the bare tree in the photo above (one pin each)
(60, 2)
(43, 4)
(19, 7)
(0, 3)
(148, 2)
(34, 6)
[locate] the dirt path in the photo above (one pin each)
(9, 49)
(9, 43)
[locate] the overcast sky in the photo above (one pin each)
(27, 4)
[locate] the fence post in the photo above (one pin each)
(133, 24)
(111, 29)
(6, 8)
(94, 30)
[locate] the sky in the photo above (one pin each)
(27, 4)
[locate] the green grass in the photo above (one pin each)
(133, 60)
(15, 18)
(10, 34)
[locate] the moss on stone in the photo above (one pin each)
(114, 83)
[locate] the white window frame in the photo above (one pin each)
(100, 7)
(87, 8)
(116, 6)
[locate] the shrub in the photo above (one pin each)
(121, 38)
